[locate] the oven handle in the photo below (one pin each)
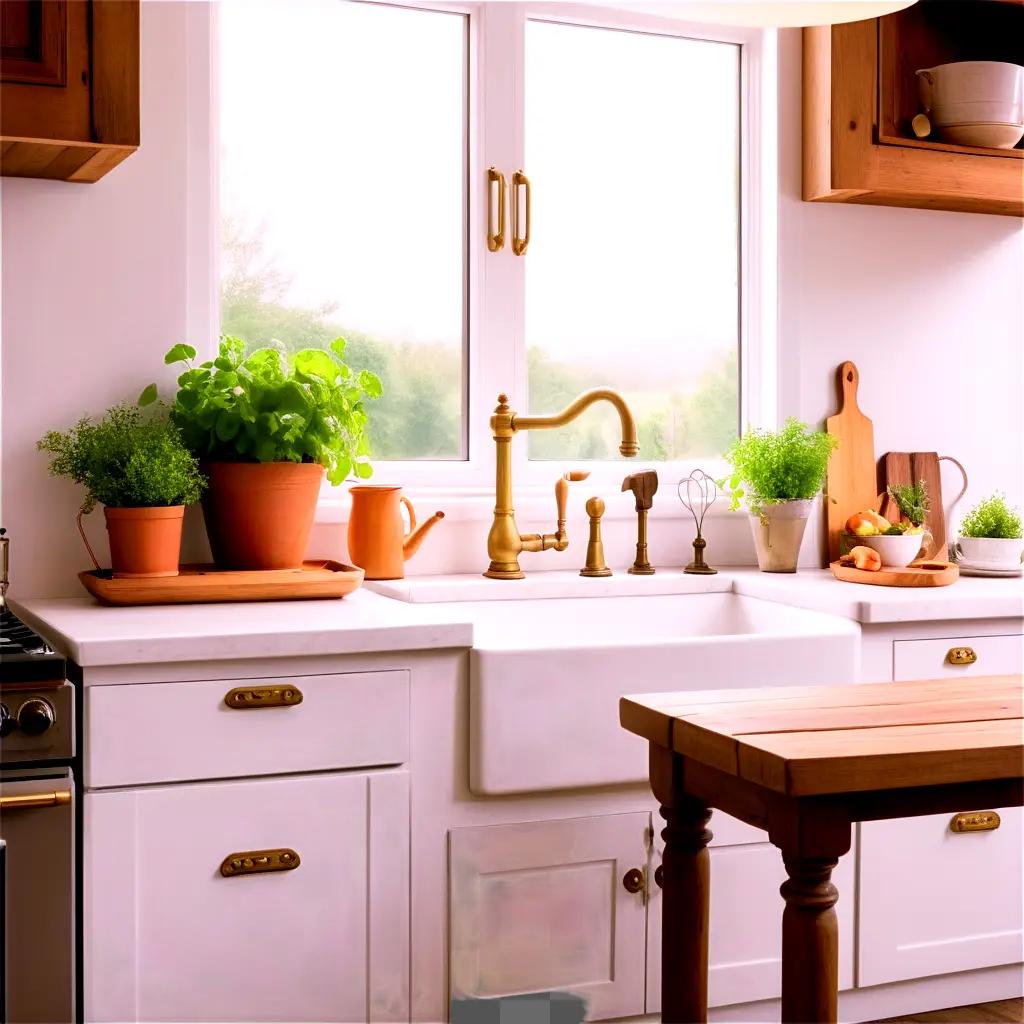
(23, 801)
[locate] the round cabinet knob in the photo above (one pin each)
(35, 716)
(7, 722)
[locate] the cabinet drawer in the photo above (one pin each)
(170, 935)
(163, 732)
(933, 901)
(931, 659)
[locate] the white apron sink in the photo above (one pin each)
(546, 676)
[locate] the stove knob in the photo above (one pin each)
(7, 722)
(35, 716)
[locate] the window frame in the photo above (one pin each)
(494, 351)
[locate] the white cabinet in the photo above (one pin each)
(934, 901)
(541, 905)
(169, 938)
(938, 658)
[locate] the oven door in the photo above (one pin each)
(37, 826)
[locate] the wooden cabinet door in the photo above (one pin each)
(745, 947)
(933, 901)
(169, 938)
(541, 906)
(33, 41)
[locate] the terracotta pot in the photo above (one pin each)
(377, 541)
(144, 541)
(778, 533)
(259, 514)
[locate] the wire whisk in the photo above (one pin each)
(697, 493)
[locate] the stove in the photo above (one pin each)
(39, 835)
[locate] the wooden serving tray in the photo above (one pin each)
(201, 584)
(924, 574)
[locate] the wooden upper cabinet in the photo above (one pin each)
(69, 87)
(860, 94)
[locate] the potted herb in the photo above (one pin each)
(136, 465)
(991, 536)
(778, 474)
(266, 426)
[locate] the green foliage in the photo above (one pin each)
(897, 529)
(786, 465)
(272, 406)
(992, 517)
(912, 500)
(127, 459)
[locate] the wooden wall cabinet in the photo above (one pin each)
(69, 87)
(859, 94)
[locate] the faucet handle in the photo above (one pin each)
(562, 490)
(644, 486)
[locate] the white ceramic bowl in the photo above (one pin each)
(897, 550)
(973, 90)
(988, 136)
(991, 552)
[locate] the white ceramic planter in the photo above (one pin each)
(991, 552)
(778, 532)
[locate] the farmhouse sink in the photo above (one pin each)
(546, 675)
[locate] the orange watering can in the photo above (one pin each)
(377, 541)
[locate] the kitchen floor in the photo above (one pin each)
(1005, 1011)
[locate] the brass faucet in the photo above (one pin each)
(504, 542)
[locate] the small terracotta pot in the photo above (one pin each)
(144, 541)
(259, 514)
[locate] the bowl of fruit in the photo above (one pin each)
(900, 543)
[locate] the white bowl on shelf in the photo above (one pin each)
(898, 550)
(975, 102)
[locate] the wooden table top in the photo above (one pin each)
(815, 740)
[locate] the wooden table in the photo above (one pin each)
(805, 763)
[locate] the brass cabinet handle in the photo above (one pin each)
(520, 242)
(254, 862)
(633, 880)
(24, 801)
(961, 656)
(244, 698)
(975, 821)
(495, 239)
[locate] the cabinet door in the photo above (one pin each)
(541, 906)
(934, 901)
(169, 938)
(745, 946)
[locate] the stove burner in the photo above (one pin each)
(24, 655)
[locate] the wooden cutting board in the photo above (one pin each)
(908, 468)
(852, 480)
(937, 574)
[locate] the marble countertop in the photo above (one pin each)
(425, 613)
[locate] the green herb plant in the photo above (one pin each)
(272, 406)
(992, 517)
(912, 500)
(126, 459)
(771, 467)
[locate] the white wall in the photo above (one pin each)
(99, 280)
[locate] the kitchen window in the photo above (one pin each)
(355, 140)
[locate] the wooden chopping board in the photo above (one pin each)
(852, 479)
(908, 468)
(927, 574)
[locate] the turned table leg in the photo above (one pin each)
(810, 942)
(684, 914)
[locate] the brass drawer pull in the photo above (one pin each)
(520, 242)
(24, 801)
(961, 656)
(495, 234)
(975, 821)
(244, 698)
(252, 862)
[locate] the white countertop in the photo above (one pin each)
(91, 634)
(439, 612)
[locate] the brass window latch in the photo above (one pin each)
(595, 565)
(644, 486)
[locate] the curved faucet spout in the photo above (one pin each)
(629, 445)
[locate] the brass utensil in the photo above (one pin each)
(596, 565)
(701, 492)
(644, 486)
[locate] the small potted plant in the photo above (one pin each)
(136, 465)
(778, 474)
(266, 426)
(991, 536)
